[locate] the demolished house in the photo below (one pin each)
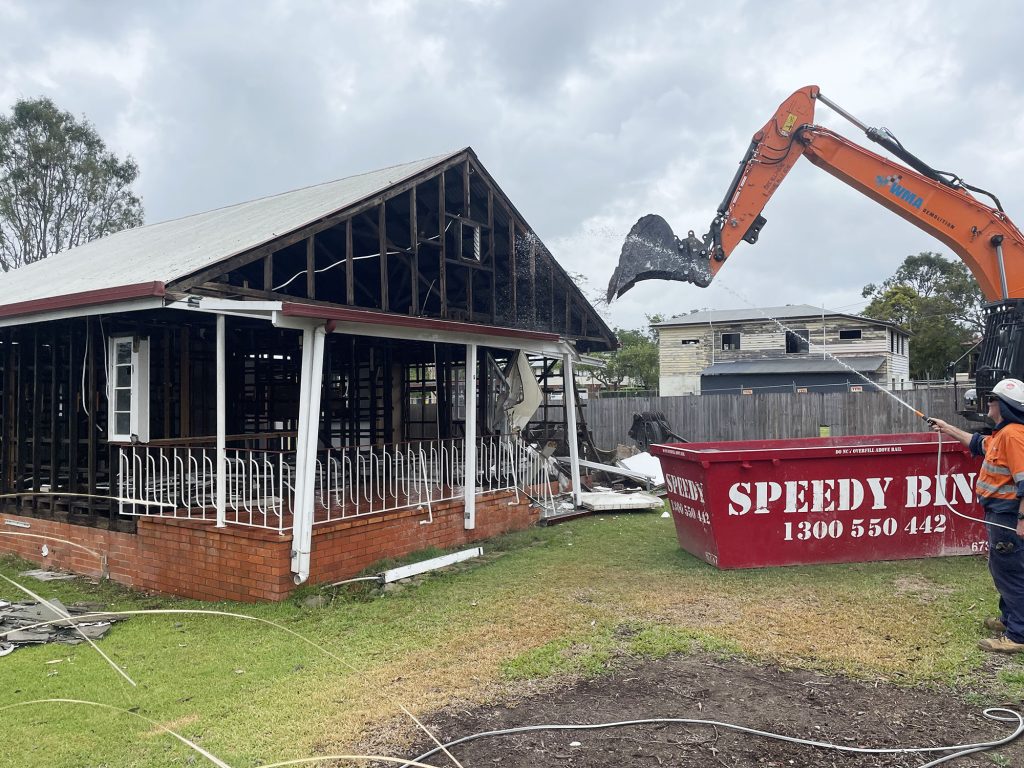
(287, 390)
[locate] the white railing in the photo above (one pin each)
(353, 482)
(166, 481)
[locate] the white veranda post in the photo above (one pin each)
(222, 460)
(572, 438)
(469, 486)
(306, 445)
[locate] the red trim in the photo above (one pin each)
(342, 314)
(83, 299)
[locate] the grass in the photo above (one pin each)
(544, 604)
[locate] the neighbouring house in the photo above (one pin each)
(795, 348)
(287, 390)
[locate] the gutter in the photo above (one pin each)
(84, 299)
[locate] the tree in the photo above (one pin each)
(595, 297)
(939, 302)
(59, 186)
(636, 359)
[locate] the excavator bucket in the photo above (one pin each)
(653, 252)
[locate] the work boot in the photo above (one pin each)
(994, 624)
(1001, 644)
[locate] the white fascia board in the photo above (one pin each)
(408, 571)
(234, 305)
(255, 310)
(137, 305)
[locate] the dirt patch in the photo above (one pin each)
(924, 590)
(795, 703)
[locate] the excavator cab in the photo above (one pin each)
(1001, 355)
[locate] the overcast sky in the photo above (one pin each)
(587, 114)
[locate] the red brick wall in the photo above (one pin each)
(347, 547)
(197, 560)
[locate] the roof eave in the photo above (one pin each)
(83, 299)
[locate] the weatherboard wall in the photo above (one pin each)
(686, 350)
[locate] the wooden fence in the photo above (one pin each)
(775, 416)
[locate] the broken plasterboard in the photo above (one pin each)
(20, 624)
(646, 465)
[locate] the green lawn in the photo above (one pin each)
(545, 603)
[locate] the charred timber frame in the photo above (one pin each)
(50, 439)
(421, 232)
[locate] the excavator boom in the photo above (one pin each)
(652, 251)
(981, 235)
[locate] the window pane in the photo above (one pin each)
(123, 376)
(123, 423)
(730, 341)
(123, 400)
(124, 353)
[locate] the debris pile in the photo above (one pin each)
(19, 624)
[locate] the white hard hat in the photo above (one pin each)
(1010, 391)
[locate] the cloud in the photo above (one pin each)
(588, 116)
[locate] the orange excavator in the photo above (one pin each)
(938, 202)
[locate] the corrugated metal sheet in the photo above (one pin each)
(867, 363)
(173, 249)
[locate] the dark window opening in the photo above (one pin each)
(849, 333)
(797, 341)
(730, 341)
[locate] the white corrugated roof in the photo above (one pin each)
(788, 312)
(173, 249)
(733, 315)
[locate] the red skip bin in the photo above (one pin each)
(756, 503)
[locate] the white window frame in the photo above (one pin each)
(138, 389)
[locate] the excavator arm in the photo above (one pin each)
(939, 203)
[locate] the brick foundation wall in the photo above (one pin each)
(197, 560)
(347, 547)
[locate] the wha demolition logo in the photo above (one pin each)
(897, 190)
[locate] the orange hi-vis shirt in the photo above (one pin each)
(1003, 465)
